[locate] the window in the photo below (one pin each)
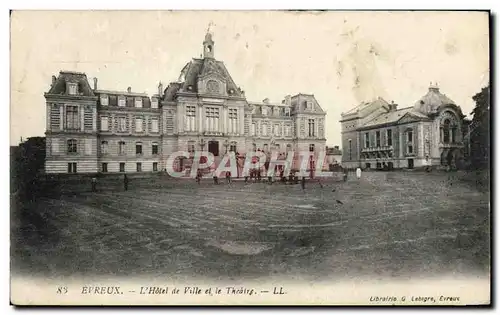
(104, 147)
(232, 147)
(155, 166)
(121, 147)
(122, 124)
(311, 128)
(154, 125)
(72, 146)
(154, 148)
(138, 125)
(446, 131)
(264, 129)
(264, 110)
(72, 167)
(311, 147)
(139, 167)
(287, 111)
(138, 148)
(389, 137)
(191, 146)
(122, 167)
(104, 124)
(350, 149)
(72, 122)
(410, 136)
(138, 102)
(276, 130)
(104, 167)
(254, 147)
(190, 118)
(410, 149)
(72, 88)
(377, 138)
(121, 101)
(212, 119)
(367, 140)
(233, 120)
(287, 131)
(288, 147)
(252, 130)
(104, 100)
(277, 146)
(154, 103)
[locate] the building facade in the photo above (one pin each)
(94, 130)
(428, 134)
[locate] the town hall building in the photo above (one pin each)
(378, 134)
(93, 130)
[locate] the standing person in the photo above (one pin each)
(358, 172)
(346, 174)
(228, 177)
(216, 180)
(198, 176)
(94, 184)
(259, 177)
(125, 181)
(303, 182)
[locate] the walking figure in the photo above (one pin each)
(228, 177)
(259, 177)
(358, 173)
(303, 182)
(216, 180)
(94, 184)
(198, 176)
(125, 182)
(346, 174)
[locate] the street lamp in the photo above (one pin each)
(226, 144)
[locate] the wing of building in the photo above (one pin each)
(429, 133)
(95, 130)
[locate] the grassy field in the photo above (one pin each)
(385, 225)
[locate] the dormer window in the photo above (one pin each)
(121, 101)
(72, 88)
(264, 110)
(154, 103)
(104, 100)
(138, 102)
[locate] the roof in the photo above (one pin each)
(431, 101)
(392, 117)
(125, 93)
(364, 105)
(200, 67)
(59, 86)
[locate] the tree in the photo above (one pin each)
(480, 130)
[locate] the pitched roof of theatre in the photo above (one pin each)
(392, 117)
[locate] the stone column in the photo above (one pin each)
(94, 119)
(223, 128)
(241, 121)
(82, 118)
(401, 149)
(180, 117)
(200, 118)
(48, 127)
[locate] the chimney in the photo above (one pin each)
(129, 89)
(53, 80)
(160, 89)
(95, 84)
(392, 106)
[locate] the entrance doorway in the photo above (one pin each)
(213, 147)
(410, 163)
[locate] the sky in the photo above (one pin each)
(342, 57)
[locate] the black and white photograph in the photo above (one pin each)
(272, 157)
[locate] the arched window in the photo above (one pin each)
(138, 148)
(446, 131)
(72, 146)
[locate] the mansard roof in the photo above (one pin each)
(59, 84)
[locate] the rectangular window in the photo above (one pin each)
(410, 149)
(377, 138)
(72, 121)
(191, 147)
(154, 148)
(252, 130)
(104, 124)
(287, 131)
(212, 119)
(154, 125)
(71, 167)
(121, 147)
(276, 130)
(232, 147)
(72, 146)
(389, 137)
(121, 101)
(139, 167)
(104, 167)
(155, 166)
(233, 120)
(264, 129)
(122, 124)
(311, 128)
(410, 136)
(104, 147)
(138, 148)
(55, 119)
(138, 102)
(72, 88)
(154, 103)
(311, 148)
(122, 167)
(104, 100)
(367, 140)
(190, 118)
(138, 125)
(265, 147)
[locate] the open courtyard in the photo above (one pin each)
(387, 224)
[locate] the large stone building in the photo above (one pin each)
(94, 130)
(428, 134)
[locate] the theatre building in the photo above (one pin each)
(90, 129)
(378, 134)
